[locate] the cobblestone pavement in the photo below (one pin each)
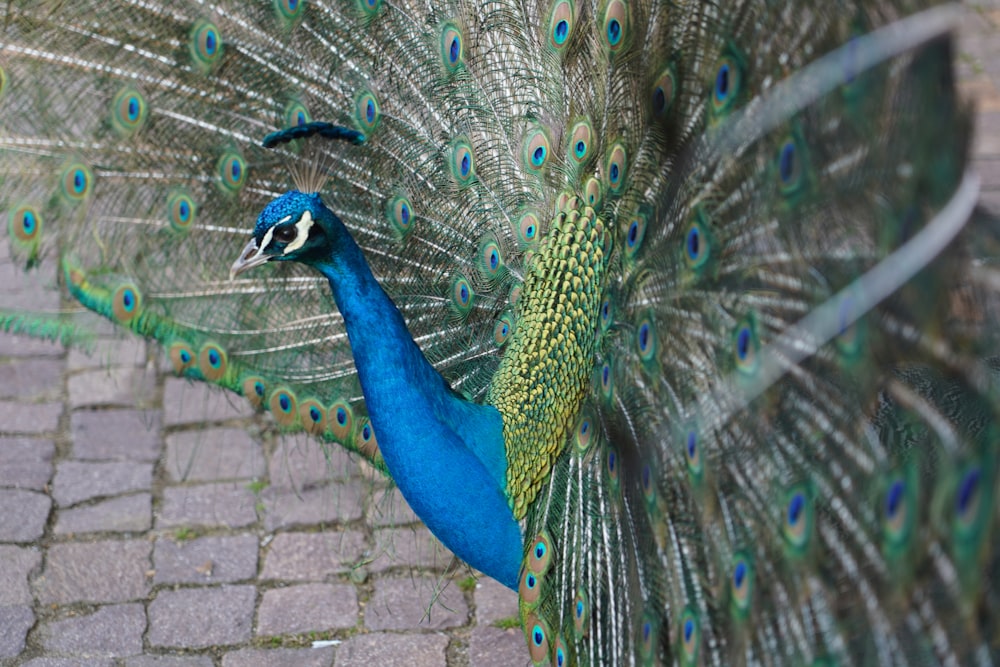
(147, 521)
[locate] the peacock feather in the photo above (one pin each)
(678, 318)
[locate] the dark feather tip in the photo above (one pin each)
(305, 130)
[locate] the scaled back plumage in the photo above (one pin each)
(716, 267)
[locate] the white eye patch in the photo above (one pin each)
(302, 232)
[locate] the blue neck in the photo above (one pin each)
(446, 454)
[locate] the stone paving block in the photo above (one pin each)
(25, 346)
(280, 657)
(118, 515)
(213, 454)
(104, 571)
(31, 379)
(122, 350)
(120, 386)
(201, 617)
(388, 650)
(23, 515)
(300, 461)
(216, 559)
(116, 435)
(494, 601)
(331, 503)
(415, 602)
(76, 481)
(112, 631)
(411, 546)
(69, 662)
(389, 508)
(26, 463)
(16, 564)
(15, 621)
(169, 661)
(307, 608)
(228, 504)
(312, 556)
(29, 417)
(493, 647)
(186, 402)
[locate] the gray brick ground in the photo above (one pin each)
(122, 387)
(69, 662)
(388, 508)
(15, 621)
(312, 556)
(16, 564)
(108, 352)
(112, 631)
(23, 346)
(116, 435)
(226, 504)
(307, 608)
(412, 546)
(18, 418)
(493, 647)
(23, 515)
(104, 571)
(169, 661)
(213, 454)
(201, 617)
(388, 650)
(205, 560)
(132, 513)
(76, 481)
(186, 402)
(306, 657)
(329, 504)
(494, 602)
(300, 461)
(26, 463)
(31, 379)
(416, 602)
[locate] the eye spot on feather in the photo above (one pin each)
(696, 245)
(463, 166)
(369, 8)
(527, 229)
(181, 211)
(581, 614)
(797, 519)
(462, 296)
(593, 193)
(490, 261)
(530, 588)
(254, 390)
(535, 152)
(561, 24)
(662, 95)
(452, 47)
(289, 10)
(367, 112)
(181, 356)
(635, 234)
(539, 554)
(538, 639)
(366, 442)
(690, 637)
(212, 362)
(25, 224)
(205, 45)
(399, 212)
(967, 497)
(611, 468)
(125, 303)
(790, 167)
(606, 380)
(615, 25)
(746, 346)
(897, 513)
(284, 406)
(502, 329)
(296, 114)
(77, 181)
(741, 584)
(584, 432)
(580, 140)
(232, 173)
(692, 453)
(727, 85)
(128, 111)
(614, 168)
(559, 654)
(648, 632)
(645, 339)
(341, 421)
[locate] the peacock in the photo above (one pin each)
(678, 318)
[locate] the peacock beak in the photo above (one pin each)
(249, 258)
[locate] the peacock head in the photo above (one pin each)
(296, 226)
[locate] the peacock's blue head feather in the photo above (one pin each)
(296, 226)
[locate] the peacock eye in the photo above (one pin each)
(285, 234)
